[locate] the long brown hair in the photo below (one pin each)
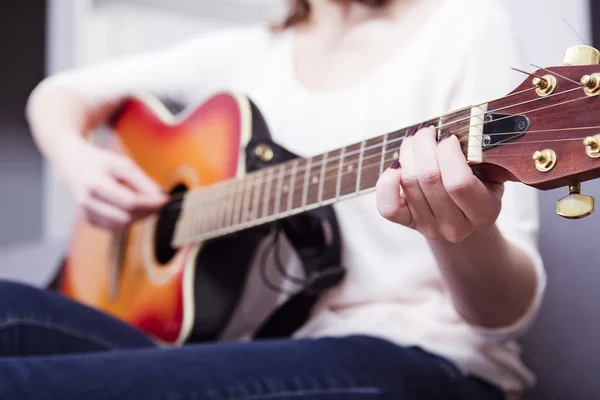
(300, 10)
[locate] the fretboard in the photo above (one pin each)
(293, 187)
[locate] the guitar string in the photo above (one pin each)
(386, 153)
(219, 194)
(225, 223)
(250, 178)
(243, 214)
(245, 221)
(528, 112)
(241, 224)
(250, 175)
(251, 182)
(562, 76)
(505, 107)
(539, 131)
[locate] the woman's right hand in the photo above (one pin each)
(110, 189)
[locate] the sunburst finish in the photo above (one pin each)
(199, 148)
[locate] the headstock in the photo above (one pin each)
(560, 146)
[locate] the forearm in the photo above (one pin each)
(58, 117)
(491, 281)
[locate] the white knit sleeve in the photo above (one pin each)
(184, 72)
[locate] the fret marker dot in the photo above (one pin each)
(350, 168)
(315, 180)
(396, 155)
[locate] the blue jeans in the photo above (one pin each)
(53, 348)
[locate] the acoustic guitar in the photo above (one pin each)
(545, 133)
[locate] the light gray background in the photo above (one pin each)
(562, 346)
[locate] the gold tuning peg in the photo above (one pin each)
(592, 146)
(581, 55)
(575, 205)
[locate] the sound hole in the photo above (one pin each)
(165, 227)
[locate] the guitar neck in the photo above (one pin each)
(295, 186)
(556, 104)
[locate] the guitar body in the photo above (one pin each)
(179, 295)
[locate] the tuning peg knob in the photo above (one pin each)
(575, 205)
(545, 160)
(592, 146)
(581, 55)
(591, 84)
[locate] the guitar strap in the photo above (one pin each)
(314, 235)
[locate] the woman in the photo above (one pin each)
(432, 300)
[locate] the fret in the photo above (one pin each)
(258, 181)
(393, 145)
(277, 203)
(322, 178)
(306, 181)
(267, 194)
(218, 202)
(369, 173)
(459, 122)
(220, 206)
(216, 197)
(247, 195)
(329, 180)
(239, 192)
(314, 180)
(242, 192)
(350, 170)
(231, 190)
(383, 149)
(438, 128)
(200, 220)
(211, 207)
(360, 165)
(338, 186)
(291, 185)
(300, 183)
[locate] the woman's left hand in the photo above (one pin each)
(432, 189)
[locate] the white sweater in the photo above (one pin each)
(393, 288)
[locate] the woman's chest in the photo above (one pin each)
(308, 124)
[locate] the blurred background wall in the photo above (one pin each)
(36, 211)
(22, 194)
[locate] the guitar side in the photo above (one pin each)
(199, 147)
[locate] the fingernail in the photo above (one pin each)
(445, 135)
(395, 164)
